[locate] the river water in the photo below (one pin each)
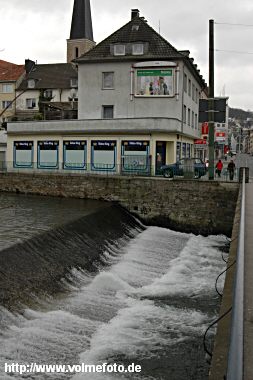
(124, 293)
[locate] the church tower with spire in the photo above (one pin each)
(81, 33)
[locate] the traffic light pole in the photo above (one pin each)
(211, 101)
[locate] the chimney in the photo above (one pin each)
(135, 13)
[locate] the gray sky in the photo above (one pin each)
(38, 29)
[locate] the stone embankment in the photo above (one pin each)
(184, 205)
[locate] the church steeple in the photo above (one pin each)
(81, 33)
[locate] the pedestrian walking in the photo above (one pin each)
(231, 169)
(219, 167)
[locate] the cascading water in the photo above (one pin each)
(131, 294)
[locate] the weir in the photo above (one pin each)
(39, 265)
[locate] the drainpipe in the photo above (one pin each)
(131, 84)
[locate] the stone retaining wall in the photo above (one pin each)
(184, 205)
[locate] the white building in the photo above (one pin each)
(138, 97)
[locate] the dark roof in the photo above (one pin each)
(51, 76)
(137, 30)
(10, 71)
(158, 46)
(81, 26)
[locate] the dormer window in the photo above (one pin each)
(31, 83)
(119, 50)
(73, 83)
(137, 49)
(135, 27)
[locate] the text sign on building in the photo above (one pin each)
(218, 110)
(200, 142)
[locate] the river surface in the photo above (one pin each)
(126, 294)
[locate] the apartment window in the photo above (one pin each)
(119, 49)
(192, 119)
(137, 49)
(107, 112)
(196, 121)
(6, 103)
(189, 116)
(185, 83)
(108, 80)
(189, 87)
(30, 103)
(196, 96)
(184, 115)
(7, 88)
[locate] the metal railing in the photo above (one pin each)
(133, 166)
(235, 355)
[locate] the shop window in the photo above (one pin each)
(135, 156)
(74, 154)
(23, 154)
(103, 155)
(48, 154)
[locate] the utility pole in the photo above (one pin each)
(211, 100)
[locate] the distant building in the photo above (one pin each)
(10, 77)
(48, 91)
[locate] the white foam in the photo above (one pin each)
(107, 315)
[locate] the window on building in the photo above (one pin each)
(48, 94)
(7, 88)
(73, 82)
(6, 103)
(135, 27)
(192, 119)
(189, 87)
(107, 112)
(108, 80)
(74, 154)
(23, 154)
(103, 155)
(185, 83)
(48, 154)
(76, 52)
(119, 49)
(184, 115)
(196, 121)
(137, 49)
(193, 91)
(31, 83)
(30, 103)
(189, 116)
(196, 96)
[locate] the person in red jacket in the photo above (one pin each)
(219, 167)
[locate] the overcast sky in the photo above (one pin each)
(38, 29)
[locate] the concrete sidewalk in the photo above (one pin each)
(248, 285)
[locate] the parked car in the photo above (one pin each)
(179, 168)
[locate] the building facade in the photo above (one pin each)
(10, 77)
(138, 109)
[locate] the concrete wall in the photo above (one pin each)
(190, 206)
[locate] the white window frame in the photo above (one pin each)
(119, 49)
(135, 48)
(32, 101)
(74, 82)
(106, 86)
(31, 83)
(7, 88)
